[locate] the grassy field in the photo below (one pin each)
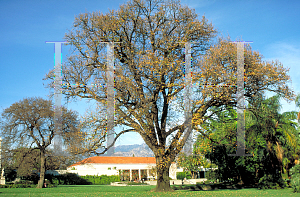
(95, 190)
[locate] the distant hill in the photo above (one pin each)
(139, 150)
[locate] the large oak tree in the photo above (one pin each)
(150, 71)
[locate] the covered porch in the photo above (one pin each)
(134, 174)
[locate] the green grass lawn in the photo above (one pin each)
(96, 190)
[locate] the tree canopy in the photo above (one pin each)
(271, 138)
(30, 123)
(149, 77)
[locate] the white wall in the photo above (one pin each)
(101, 169)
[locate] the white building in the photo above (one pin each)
(129, 168)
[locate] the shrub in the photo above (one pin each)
(207, 182)
(55, 181)
(74, 179)
(66, 179)
(33, 177)
(212, 175)
(271, 182)
(101, 180)
(22, 186)
(206, 187)
(295, 175)
(28, 182)
(51, 185)
(288, 182)
(188, 175)
(10, 174)
(180, 175)
(71, 179)
(4, 186)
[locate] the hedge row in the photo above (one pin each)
(101, 180)
(74, 179)
(182, 175)
(67, 179)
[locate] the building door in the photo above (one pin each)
(202, 175)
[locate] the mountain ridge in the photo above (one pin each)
(138, 150)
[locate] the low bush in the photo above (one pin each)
(295, 175)
(73, 179)
(33, 177)
(206, 187)
(212, 175)
(10, 174)
(55, 181)
(66, 179)
(203, 182)
(180, 175)
(51, 185)
(27, 182)
(207, 182)
(22, 186)
(4, 186)
(101, 180)
(188, 175)
(288, 182)
(271, 182)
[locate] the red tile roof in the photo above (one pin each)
(117, 160)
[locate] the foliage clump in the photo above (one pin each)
(212, 175)
(271, 139)
(180, 175)
(101, 180)
(271, 182)
(295, 174)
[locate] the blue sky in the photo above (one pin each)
(273, 26)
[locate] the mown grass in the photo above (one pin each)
(144, 191)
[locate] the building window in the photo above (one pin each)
(109, 168)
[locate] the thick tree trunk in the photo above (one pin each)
(163, 182)
(42, 170)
